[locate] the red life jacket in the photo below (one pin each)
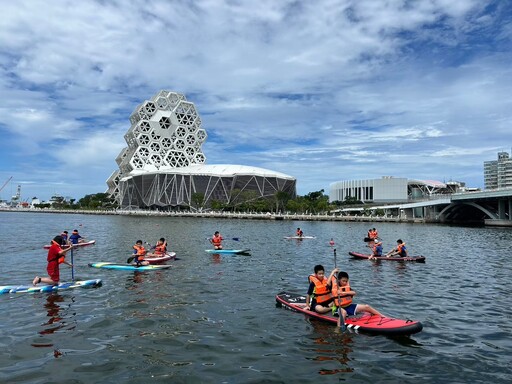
(217, 240)
(160, 249)
(321, 292)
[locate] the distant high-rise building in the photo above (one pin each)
(498, 173)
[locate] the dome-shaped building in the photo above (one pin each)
(163, 165)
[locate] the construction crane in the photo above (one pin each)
(3, 186)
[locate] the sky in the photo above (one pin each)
(324, 90)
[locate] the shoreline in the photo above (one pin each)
(225, 215)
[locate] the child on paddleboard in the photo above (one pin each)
(216, 240)
(159, 249)
(139, 252)
(377, 249)
(56, 256)
(400, 250)
(343, 304)
(319, 298)
(75, 237)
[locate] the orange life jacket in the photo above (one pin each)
(217, 240)
(401, 249)
(321, 292)
(141, 251)
(343, 301)
(160, 249)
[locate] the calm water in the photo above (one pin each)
(213, 318)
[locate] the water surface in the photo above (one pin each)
(213, 318)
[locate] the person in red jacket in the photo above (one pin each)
(56, 256)
(216, 240)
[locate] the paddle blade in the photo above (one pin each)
(235, 238)
(130, 259)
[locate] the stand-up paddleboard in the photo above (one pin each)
(82, 244)
(160, 259)
(366, 323)
(356, 255)
(50, 288)
(128, 267)
(300, 237)
(229, 251)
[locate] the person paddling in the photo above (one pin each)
(400, 250)
(75, 237)
(160, 249)
(377, 249)
(139, 253)
(343, 304)
(216, 240)
(56, 256)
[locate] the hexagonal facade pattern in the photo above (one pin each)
(163, 163)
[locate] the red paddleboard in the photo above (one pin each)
(419, 259)
(82, 244)
(160, 259)
(366, 323)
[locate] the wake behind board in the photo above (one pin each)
(82, 244)
(356, 255)
(300, 237)
(366, 323)
(229, 251)
(50, 288)
(128, 267)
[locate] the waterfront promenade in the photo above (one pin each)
(227, 215)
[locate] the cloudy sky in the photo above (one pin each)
(323, 90)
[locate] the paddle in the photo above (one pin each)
(232, 238)
(72, 266)
(340, 315)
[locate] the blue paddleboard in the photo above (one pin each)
(228, 251)
(49, 288)
(128, 267)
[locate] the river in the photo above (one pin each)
(213, 319)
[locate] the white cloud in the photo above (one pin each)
(322, 90)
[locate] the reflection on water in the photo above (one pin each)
(55, 321)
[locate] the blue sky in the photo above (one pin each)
(321, 90)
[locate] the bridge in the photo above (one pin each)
(489, 207)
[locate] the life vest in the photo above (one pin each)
(400, 248)
(300, 233)
(141, 251)
(342, 301)
(160, 249)
(217, 240)
(321, 292)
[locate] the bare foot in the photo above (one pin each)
(36, 281)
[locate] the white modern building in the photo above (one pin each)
(390, 189)
(163, 165)
(498, 173)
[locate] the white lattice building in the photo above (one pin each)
(163, 164)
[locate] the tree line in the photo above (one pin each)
(243, 201)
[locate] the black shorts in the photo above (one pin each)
(324, 304)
